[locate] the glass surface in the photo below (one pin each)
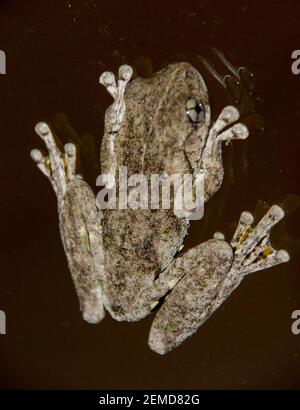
(55, 52)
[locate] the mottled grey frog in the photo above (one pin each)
(125, 260)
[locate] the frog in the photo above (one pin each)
(130, 262)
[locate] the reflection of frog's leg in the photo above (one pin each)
(226, 62)
(79, 222)
(210, 272)
(239, 84)
(115, 113)
(240, 87)
(211, 161)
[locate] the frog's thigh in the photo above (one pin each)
(190, 303)
(82, 239)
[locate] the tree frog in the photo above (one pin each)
(126, 261)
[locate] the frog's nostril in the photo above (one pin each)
(195, 110)
(189, 74)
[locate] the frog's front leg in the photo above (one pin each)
(210, 165)
(211, 160)
(114, 115)
(79, 222)
(209, 273)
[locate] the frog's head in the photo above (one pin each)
(175, 113)
(182, 99)
(187, 98)
(166, 122)
(183, 111)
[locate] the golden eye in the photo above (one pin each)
(195, 110)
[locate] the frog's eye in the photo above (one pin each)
(195, 110)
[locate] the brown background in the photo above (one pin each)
(55, 53)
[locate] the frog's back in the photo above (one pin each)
(138, 245)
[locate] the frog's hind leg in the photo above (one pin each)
(202, 270)
(79, 222)
(210, 272)
(114, 115)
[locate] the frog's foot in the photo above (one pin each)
(252, 247)
(116, 112)
(114, 115)
(59, 168)
(225, 129)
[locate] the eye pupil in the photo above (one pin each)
(195, 110)
(199, 108)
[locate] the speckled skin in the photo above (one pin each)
(125, 260)
(156, 134)
(139, 245)
(191, 301)
(80, 228)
